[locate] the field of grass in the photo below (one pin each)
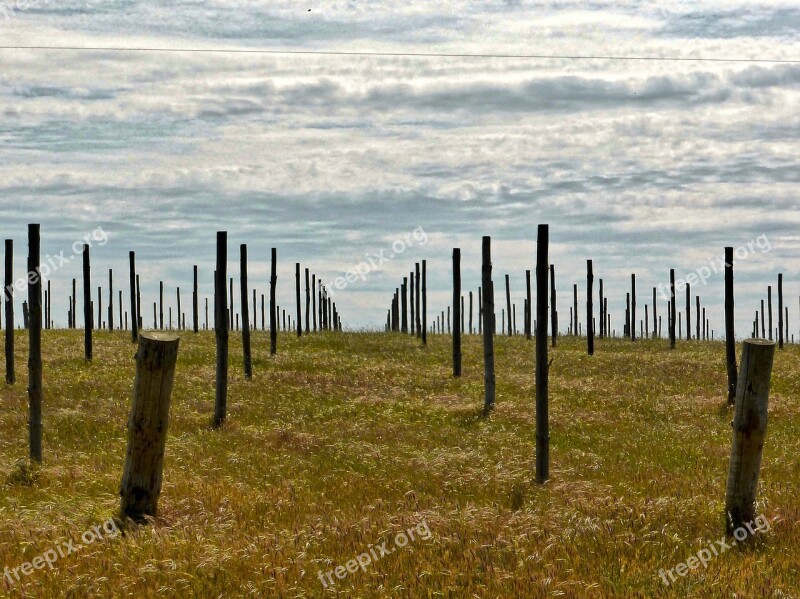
(342, 441)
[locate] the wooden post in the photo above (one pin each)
(553, 308)
(508, 306)
(589, 308)
(769, 311)
(221, 322)
(74, 305)
(138, 303)
(655, 315)
(230, 295)
(411, 302)
(418, 300)
(313, 302)
(542, 424)
(404, 306)
(730, 333)
(110, 299)
(457, 311)
(470, 313)
(780, 311)
(633, 307)
(602, 316)
(575, 309)
(178, 296)
(672, 312)
(9, 297)
(248, 360)
(528, 318)
(87, 304)
(424, 303)
(763, 326)
(120, 310)
(195, 301)
(749, 432)
(298, 306)
(273, 308)
(488, 326)
(480, 311)
(35, 344)
(688, 312)
(308, 302)
(148, 424)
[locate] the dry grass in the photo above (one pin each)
(341, 441)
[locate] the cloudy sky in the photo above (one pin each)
(640, 165)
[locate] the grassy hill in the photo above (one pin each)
(343, 441)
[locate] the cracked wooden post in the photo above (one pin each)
(749, 432)
(148, 423)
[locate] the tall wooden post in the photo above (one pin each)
(418, 299)
(273, 309)
(456, 312)
(178, 296)
(230, 295)
(148, 424)
(110, 300)
(553, 306)
(672, 313)
(633, 307)
(589, 309)
(730, 333)
(655, 315)
(575, 309)
(308, 302)
(488, 326)
(688, 312)
(542, 421)
(9, 297)
(404, 306)
(528, 318)
(780, 311)
(411, 302)
(247, 357)
(470, 313)
(195, 301)
(314, 301)
(749, 432)
(221, 323)
(424, 303)
(35, 344)
(138, 302)
(87, 304)
(602, 316)
(508, 306)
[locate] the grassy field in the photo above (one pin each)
(343, 441)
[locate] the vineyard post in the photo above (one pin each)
(247, 357)
(542, 365)
(488, 326)
(35, 344)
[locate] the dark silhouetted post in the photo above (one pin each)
(456, 312)
(298, 307)
(308, 302)
(672, 311)
(633, 307)
(195, 301)
(221, 322)
(488, 326)
(589, 308)
(35, 344)
(248, 360)
(553, 307)
(87, 304)
(730, 335)
(508, 306)
(780, 311)
(273, 309)
(9, 296)
(528, 318)
(418, 299)
(542, 425)
(424, 303)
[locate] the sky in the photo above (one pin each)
(639, 165)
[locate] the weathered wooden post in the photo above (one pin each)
(589, 308)
(730, 333)
(633, 307)
(110, 299)
(763, 326)
(9, 297)
(480, 311)
(404, 306)
(248, 360)
(35, 345)
(655, 315)
(273, 309)
(230, 296)
(488, 326)
(602, 316)
(138, 303)
(672, 312)
(688, 312)
(120, 311)
(470, 313)
(418, 300)
(298, 307)
(542, 422)
(424, 303)
(308, 302)
(528, 318)
(411, 322)
(553, 307)
(769, 311)
(456, 311)
(87, 304)
(148, 424)
(780, 311)
(221, 328)
(195, 301)
(508, 306)
(749, 432)
(178, 296)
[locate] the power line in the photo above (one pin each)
(398, 54)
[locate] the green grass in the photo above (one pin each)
(343, 440)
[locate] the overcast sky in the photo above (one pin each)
(639, 165)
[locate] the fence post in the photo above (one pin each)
(221, 328)
(542, 366)
(35, 345)
(87, 304)
(589, 308)
(248, 360)
(457, 311)
(195, 299)
(749, 432)
(9, 297)
(780, 311)
(273, 309)
(553, 306)
(488, 326)
(298, 306)
(424, 302)
(672, 311)
(730, 335)
(148, 423)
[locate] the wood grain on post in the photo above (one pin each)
(488, 326)
(221, 329)
(246, 355)
(457, 312)
(148, 424)
(87, 304)
(749, 432)
(35, 344)
(273, 309)
(542, 366)
(9, 297)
